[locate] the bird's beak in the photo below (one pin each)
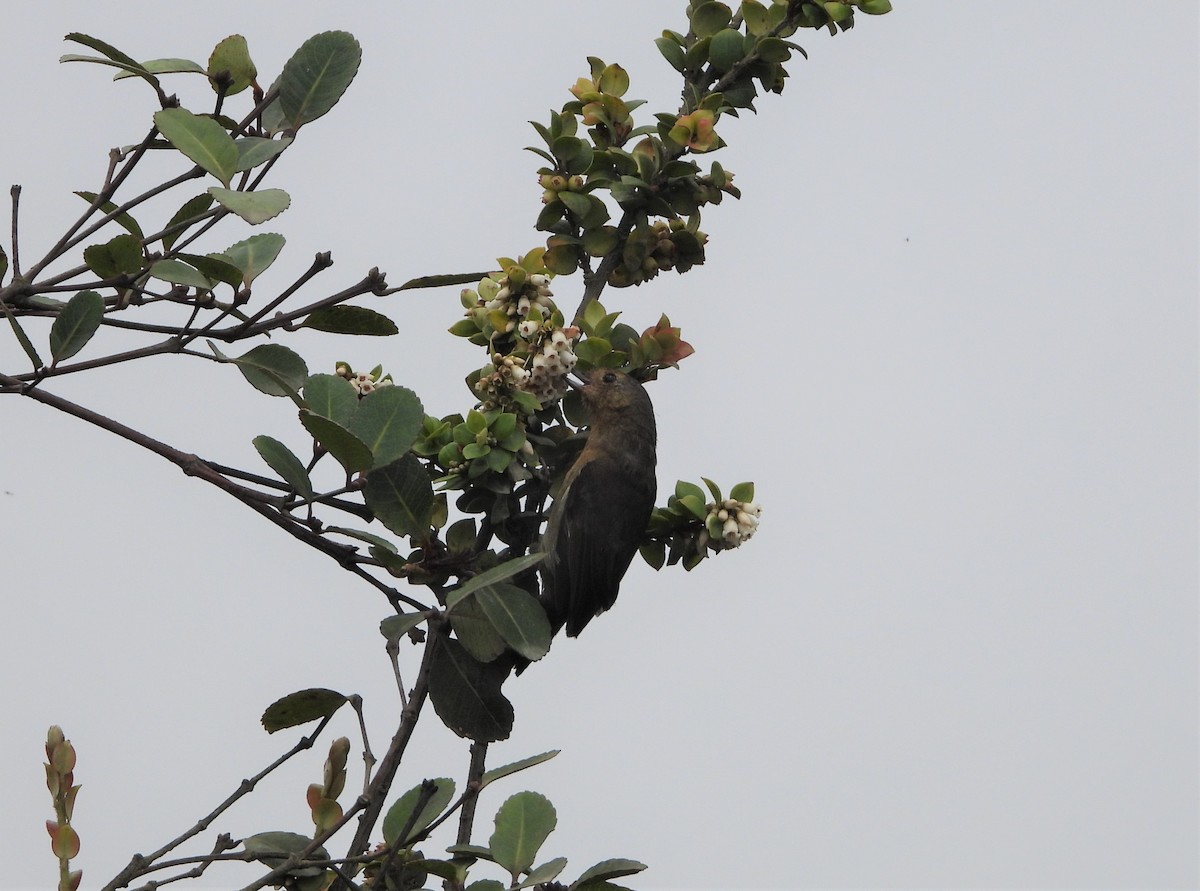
(577, 383)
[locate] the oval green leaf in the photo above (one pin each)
(179, 273)
(522, 825)
(201, 139)
(388, 420)
(253, 207)
(404, 814)
(504, 770)
(331, 396)
(401, 496)
(232, 57)
(75, 325)
(190, 210)
(317, 76)
(505, 570)
(466, 693)
(254, 254)
(255, 150)
(349, 451)
(273, 369)
(283, 461)
(301, 707)
(518, 618)
(351, 320)
(120, 255)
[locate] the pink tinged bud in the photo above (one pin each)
(73, 879)
(64, 841)
(313, 795)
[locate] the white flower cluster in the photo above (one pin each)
(531, 299)
(364, 382)
(738, 519)
(546, 369)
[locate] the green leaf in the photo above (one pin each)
(331, 396)
(179, 273)
(162, 66)
(388, 420)
(191, 209)
(350, 320)
(215, 268)
(485, 884)
(772, 49)
(123, 219)
(3, 264)
(349, 451)
(281, 459)
(232, 56)
(273, 369)
(22, 337)
(402, 811)
(654, 553)
(201, 139)
(255, 150)
(317, 76)
(726, 50)
(466, 693)
(672, 52)
(610, 869)
(115, 57)
(755, 16)
(379, 542)
(253, 207)
(709, 18)
(522, 824)
(504, 770)
(713, 489)
(120, 255)
(401, 496)
(301, 707)
(518, 617)
(283, 845)
(505, 570)
(695, 506)
(254, 254)
(440, 281)
(395, 627)
(742, 492)
(475, 632)
(540, 875)
(75, 325)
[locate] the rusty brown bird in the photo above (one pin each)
(600, 515)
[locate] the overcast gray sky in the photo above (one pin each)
(950, 331)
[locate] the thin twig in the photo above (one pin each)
(140, 863)
(15, 192)
(466, 820)
(368, 756)
(374, 797)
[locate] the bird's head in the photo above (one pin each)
(613, 397)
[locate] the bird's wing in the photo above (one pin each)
(594, 545)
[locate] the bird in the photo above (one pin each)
(600, 515)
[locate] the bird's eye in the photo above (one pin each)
(609, 377)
